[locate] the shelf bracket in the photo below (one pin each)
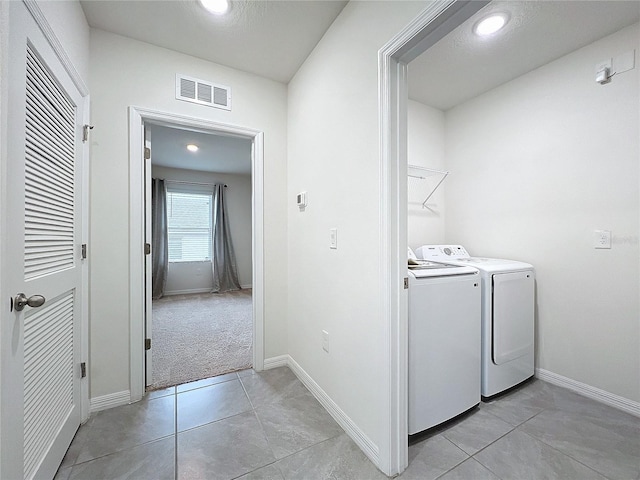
(424, 172)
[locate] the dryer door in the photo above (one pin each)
(513, 306)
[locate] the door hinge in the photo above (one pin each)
(83, 369)
(147, 153)
(85, 132)
(147, 344)
(84, 251)
(406, 282)
(147, 248)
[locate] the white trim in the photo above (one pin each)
(602, 396)
(369, 447)
(198, 290)
(137, 116)
(275, 362)
(187, 292)
(431, 25)
(136, 256)
(111, 400)
(47, 31)
(86, 216)
(257, 248)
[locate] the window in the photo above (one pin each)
(189, 226)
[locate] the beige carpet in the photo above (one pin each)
(200, 335)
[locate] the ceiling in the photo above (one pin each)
(273, 38)
(462, 65)
(217, 153)
(269, 38)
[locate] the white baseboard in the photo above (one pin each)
(187, 292)
(588, 391)
(369, 448)
(109, 401)
(275, 362)
(197, 290)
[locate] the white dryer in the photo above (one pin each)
(444, 342)
(507, 315)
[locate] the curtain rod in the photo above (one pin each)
(184, 182)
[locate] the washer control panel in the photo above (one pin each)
(439, 252)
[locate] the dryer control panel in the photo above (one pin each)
(441, 252)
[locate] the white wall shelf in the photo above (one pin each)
(415, 171)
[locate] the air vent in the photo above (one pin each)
(202, 92)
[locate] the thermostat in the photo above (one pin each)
(301, 200)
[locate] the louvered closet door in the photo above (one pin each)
(43, 251)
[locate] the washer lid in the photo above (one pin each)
(457, 255)
(425, 268)
(493, 264)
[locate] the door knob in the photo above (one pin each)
(21, 300)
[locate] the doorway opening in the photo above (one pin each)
(246, 191)
(198, 222)
(444, 120)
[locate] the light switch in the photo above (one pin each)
(301, 200)
(333, 238)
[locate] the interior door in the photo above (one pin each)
(148, 263)
(40, 381)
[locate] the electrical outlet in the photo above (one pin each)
(602, 239)
(325, 341)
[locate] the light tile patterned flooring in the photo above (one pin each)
(268, 426)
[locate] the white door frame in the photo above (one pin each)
(430, 26)
(137, 117)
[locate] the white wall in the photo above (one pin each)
(425, 148)
(67, 20)
(537, 165)
(183, 277)
(126, 72)
(334, 155)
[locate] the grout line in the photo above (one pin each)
(563, 453)
(457, 464)
(314, 445)
(277, 460)
(130, 447)
(213, 421)
(263, 466)
(175, 433)
(205, 386)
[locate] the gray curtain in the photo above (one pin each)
(225, 274)
(159, 238)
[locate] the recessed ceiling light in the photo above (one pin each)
(217, 7)
(491, 24)
(192, 148)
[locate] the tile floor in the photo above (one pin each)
(268, 426)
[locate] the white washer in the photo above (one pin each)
(444, 346)
(507, 315)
